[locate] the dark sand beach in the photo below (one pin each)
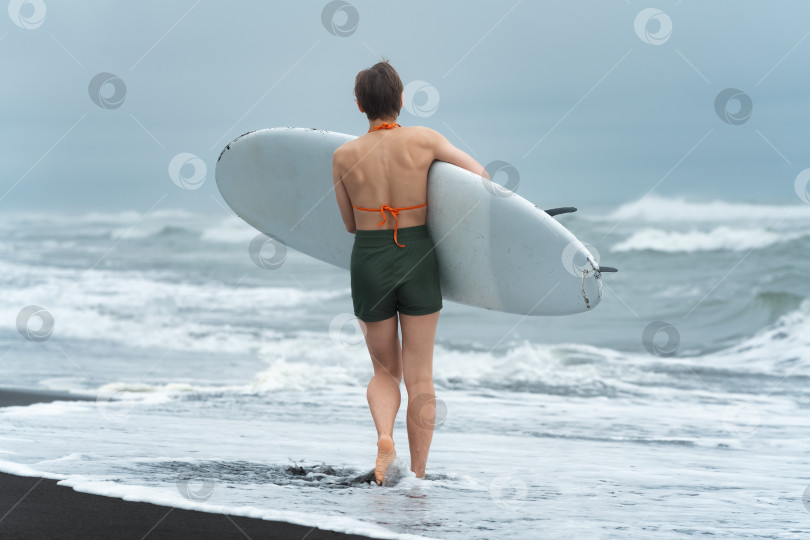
(15, 397)
(37, 508)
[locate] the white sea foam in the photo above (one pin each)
(309, 361)
(229, 231)
(112, 218)
(783, 347)
(102, 307)
(142, 230)
(316, 362)
(661, 209)
(719, 238)
(493, 444)
(20, 469)
(167, 214)
(132, 225)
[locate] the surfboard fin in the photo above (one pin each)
(561, 210)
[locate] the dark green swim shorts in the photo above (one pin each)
(387, 278)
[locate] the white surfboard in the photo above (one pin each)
(495, 249)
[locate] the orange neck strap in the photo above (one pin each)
(384, 126)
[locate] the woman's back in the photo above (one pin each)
(389, 167)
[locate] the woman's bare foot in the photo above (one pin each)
(385, 456)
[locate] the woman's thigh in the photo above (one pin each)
(418, 338)
(382, 339)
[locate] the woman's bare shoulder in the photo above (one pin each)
(344, 150)
(423, 134)
(420, 130)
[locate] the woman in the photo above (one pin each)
(393, 264)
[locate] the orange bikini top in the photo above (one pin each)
(383, 208)
(394, 212)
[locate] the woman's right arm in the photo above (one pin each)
(443, 150)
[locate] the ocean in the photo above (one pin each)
(676, 408)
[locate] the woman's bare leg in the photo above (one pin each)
(383, 393)
(418, 337)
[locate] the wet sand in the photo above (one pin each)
(38, 508)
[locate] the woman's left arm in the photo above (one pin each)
(343, 200)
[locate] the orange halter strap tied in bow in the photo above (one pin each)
(394, 212)
(384, 126)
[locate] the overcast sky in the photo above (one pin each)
(592, 102)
